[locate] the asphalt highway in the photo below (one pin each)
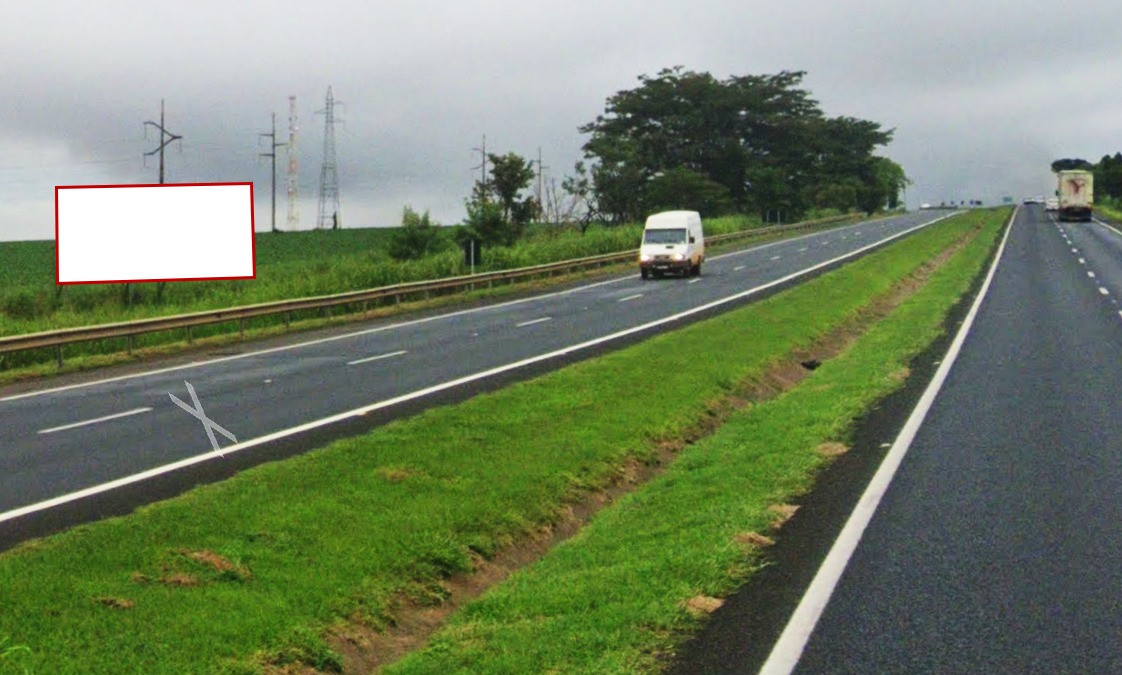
(996, 545)
(64, 443)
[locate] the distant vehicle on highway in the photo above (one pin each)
(1076, 190)
(673, 241)
(1052, 204)
(925, 206)
(1034, 200)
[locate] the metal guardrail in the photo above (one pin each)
(59, 338)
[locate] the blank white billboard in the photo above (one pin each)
(179, 232)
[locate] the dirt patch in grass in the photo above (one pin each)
(365, 648)
(216, 563)
(116, 603)
(832, 449)
(703, 604)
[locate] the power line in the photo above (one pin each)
(166, 137)
(272, 155)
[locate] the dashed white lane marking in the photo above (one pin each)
(531, 323)
(693, 281)
(376, 358)
(1082, 261)
(737, 269)
(775, 257)
(630, 297)
(802, 250)
(1103, 291)
(84, 423)
(1091, 274)
(1075, 250)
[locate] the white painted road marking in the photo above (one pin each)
(789, 648)
(1091, 274)
(443, 386)
(775, 257)
(737, 269)
(534, 321)
(1103, 291)
(694, 281)
(75, 425)
(196, 411)
(802, 250)
(1082, 261)
(376, 358)
(630, 297)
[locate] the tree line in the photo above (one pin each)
(688, 140)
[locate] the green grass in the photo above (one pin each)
(341, 532)
(612, 599)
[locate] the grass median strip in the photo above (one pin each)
(253, 572)
(635, 581)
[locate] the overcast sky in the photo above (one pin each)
(983, 95)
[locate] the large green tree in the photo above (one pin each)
(761, 137)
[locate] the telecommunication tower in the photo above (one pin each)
(328, 176)
(293, 202)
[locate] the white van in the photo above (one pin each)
(672, 242)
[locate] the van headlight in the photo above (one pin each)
(644, 257)
(679, 256)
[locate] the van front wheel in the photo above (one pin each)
(695, 271)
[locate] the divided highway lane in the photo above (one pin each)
(996, 547)
(56, 442)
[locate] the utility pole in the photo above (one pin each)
(541, 190)
(482, 165)
(293, 202)
(272, 155)
(166, 137)
(328, 175)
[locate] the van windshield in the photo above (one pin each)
(664, 237)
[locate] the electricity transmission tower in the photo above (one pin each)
(483, 164)
(328, 175)
(293, 204)
(272, 154)
(166, 137)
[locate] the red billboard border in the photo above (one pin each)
(252, 232)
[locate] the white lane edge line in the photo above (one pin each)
(787, 651)
(376, 358)
(450, 384)
(75, 425)
(630, 297)
(403, 324)
(1108, 226)
(533, 321)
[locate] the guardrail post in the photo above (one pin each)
(287, 319)
(131, 343)
(241, 327)
(190, 335)
(58, 353)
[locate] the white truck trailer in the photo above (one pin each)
(1076, 193)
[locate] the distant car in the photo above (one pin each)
(925, 206)
(1052, 204)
